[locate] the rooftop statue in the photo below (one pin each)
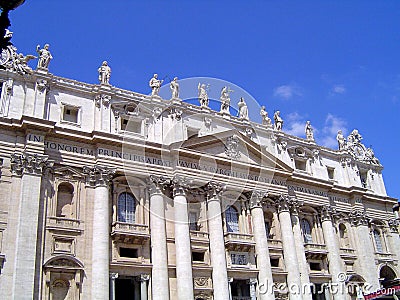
(354, 137)
(243, 110)
(225, 100)
(174, 86)
(341, 140)
(203, 96)
(278, 120)
(155, 85)
(44, 57)
(309, 131)
(104, 73)
(264, 116)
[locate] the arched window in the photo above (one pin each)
(232, 219)
(343, 235)
(378, 240)
(65, 194)
(126, 208)
(306, 228)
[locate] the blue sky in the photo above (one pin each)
(335, 63)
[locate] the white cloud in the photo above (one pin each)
(339, 89)
(295, 124)
(287, 91)
(332, 125)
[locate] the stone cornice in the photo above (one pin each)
(98, 175)
(30, 164)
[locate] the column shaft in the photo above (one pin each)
(184, 275)
(336, 265)
(100, 246)
(265, 278)
(159, 257)
(143, 289)
(290, 256)
(217, 250)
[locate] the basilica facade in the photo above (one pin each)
(111, 194)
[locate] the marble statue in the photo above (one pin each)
(44, 56)
(225, 100)
(21, 63)
(243, 111)
(203, 96)
(104, 73)
(278, 120)
(354, 137)
(155, 85)
(309, 131)
(341, 140)
(174, 86)
(264, 116)
(370, 156)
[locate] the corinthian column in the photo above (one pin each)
(300, 250)
(365, 248)
(289, 248)
(184, 275)
(21, 268)
(99, 178)
(265, 278)
(336, 265)
(217, 243)
(159, 257)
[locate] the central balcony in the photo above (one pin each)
(130, 233)
(315, 251)
(236, 241)
(73, 226)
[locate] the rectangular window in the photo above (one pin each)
(128, 252)
(193, 221)
(274, 262)
(198, 256)
(315, 266)
(331, 173)
(300, 164)
(239, 259)
(70, 114)
(131, 125)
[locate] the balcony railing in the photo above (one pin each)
(198, 235)
(277, 244)
(315, 250)
(135, 233)
(384, 256)
(60, 223)
(239, 241)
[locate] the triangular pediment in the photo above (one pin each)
(68, 173)
(235, 147)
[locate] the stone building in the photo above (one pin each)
(111, 194)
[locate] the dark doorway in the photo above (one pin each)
(127, 288)
(318, 292)
(240, 289)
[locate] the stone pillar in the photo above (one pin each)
(300, 251)
(99, 178)
(159, 256)
(113, 276)
(230, 280)
(289, 246)
(365, 249)
(183, 251)
(336, 265)
(394, 239)
(143, 286)
(265, 279)
(21, 268)
(253, 283)
(217, 243)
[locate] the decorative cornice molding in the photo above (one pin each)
(30, 164)
(98, 175)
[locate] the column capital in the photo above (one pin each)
(113, 276)
(34, 164)
(180, 185)
(252, 281)
(287, 203)
(358, 217)
(157, 184)
(214, 189)
(144, 277)
(394, 225)
(98, 175)
(256, 198)
(327, 212)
